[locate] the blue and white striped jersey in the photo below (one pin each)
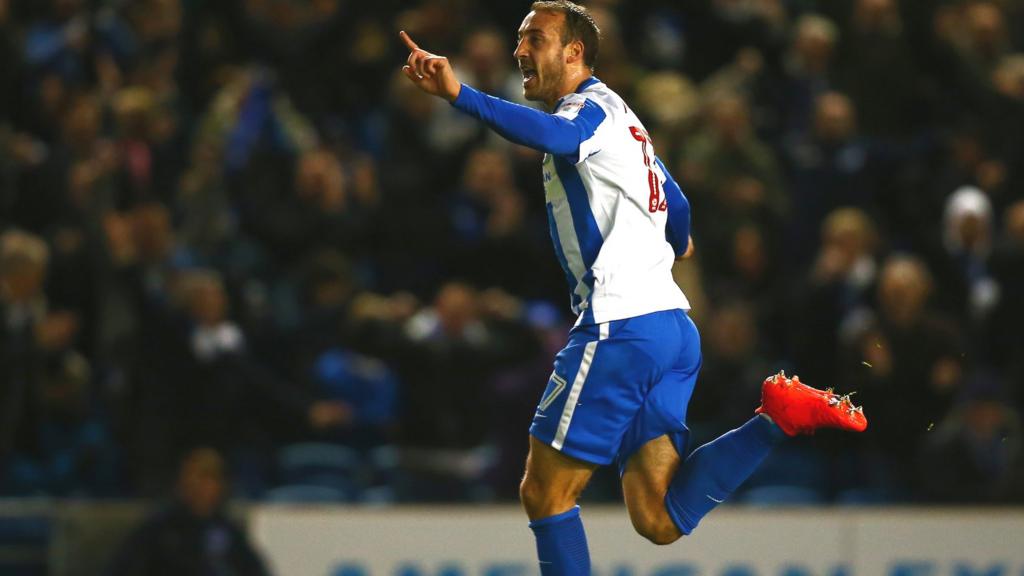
(616, 217)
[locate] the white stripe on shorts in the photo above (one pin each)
(577, 387)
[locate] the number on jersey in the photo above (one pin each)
(655, 203)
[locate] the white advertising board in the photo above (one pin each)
(729, 542)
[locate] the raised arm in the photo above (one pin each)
(530, 127)
(677, 229)
(539, 130)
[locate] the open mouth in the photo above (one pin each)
(528, 74)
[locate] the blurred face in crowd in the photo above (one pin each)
(903, 290)
(749, 253)
(201, 482)
(486, 172)
(876, 15)
(208, 303)
(985, 25)
(457, 306)
(733, 332)
(22, 282)
(985, 419)
(544, 59)
(484, 52)
(834, 118)
(972, 230)
(731, 119)
(814, 43)
(82, 124)
(848, 233)
(319, 180)
(1008, 77)
(153, 233)
(23, 261)
(1014, 223)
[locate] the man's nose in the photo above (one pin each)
(520, 51)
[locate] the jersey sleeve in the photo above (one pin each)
(677, 228)
(569, 132)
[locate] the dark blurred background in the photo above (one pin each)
(234, 225)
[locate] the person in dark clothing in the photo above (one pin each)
(226, 397)
(193, 534)
(975, 455)
(447, 354)
(835, 292)
(907, 366)
(1008, 269)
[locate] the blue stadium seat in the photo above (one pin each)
(306, 494)
(317, 463)
(782, 496)
(24, 545)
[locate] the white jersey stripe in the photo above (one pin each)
(577, 387)
(567, 235)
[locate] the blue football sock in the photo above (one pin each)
(562, 544)
(712, 472)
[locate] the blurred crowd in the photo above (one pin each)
(234, 225)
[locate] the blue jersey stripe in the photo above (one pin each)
(588, 235)
(560, 254)
(588, 119)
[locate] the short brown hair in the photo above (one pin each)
(579, 25)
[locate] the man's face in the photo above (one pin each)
(541, 55)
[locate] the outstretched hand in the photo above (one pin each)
(429, 72)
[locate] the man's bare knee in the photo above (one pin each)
(542, 499)
(658, 528)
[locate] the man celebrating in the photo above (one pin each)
(621, 385)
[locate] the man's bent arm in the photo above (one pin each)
(677, 229)
(533, 128)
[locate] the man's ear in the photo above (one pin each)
(574, 52)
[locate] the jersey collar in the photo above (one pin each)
(587, 84)
(583, 86)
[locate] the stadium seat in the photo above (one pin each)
(782, 496)
(317, 464)
(24, 543)
(306, 494)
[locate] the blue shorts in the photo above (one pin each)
(618, 385)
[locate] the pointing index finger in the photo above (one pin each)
(408, 41)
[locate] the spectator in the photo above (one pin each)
(193, 534)
(828, 169)
(968, 287)
(69, 452)
(727, 160)
(907, 365)
(222, 396)
(808, 72)
(975, 455)
(448, 353)
(875, 47)
(1008, 270)
(836, 294)
(31, 333)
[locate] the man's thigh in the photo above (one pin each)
(645, 481)
(650, 470)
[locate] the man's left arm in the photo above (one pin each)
(677, 229)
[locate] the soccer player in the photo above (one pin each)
(621, 385)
